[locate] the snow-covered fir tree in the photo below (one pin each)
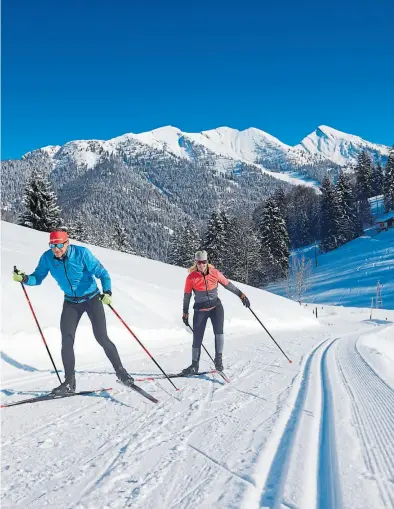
(349, 223)
(41, 210)
(330, 217)
(121, 239)
(364, 184)
(243, 252)
(183, 244)
(302, 209)
(364, 173)
(77, 230)
(216, 240)
(377, 179)
(282, 201)
(274, 263)
(389, 183)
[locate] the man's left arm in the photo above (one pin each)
(94, 266)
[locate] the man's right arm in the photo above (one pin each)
(40, 273)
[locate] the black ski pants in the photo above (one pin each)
(200, 319)
(69, 320)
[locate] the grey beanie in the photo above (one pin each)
(201, 256)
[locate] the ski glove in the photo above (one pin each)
(245, 300)
(106, 297)
(19, 276)
(185, 318)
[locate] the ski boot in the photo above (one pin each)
(219, 362)
(67, 387)
(124, 377)
(191, 370)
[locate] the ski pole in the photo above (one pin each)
(270, 335)
(38, 325)
(209, 355)
(145, 350)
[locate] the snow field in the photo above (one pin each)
(317, 433)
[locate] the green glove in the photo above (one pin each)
(19, 276)
(106, 298)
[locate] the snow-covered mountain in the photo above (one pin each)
(224, 147)
(148, 180)
(340, 147)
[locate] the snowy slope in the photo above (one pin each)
(277, 436)
(340, 147)
(348, 275)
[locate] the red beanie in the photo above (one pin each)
(58, 237)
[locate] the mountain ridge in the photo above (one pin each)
(152, 182)
(248, 145)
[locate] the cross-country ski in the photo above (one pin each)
(52, 397)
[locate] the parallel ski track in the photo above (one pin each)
(302, 439)
(373, 411)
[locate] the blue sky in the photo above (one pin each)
(80, 69)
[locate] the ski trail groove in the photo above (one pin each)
(297, 461)
(372, 403)
(328, 476)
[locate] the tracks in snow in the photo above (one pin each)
(298, 461)
(298, 467)
(372, 402)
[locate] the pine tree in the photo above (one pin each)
(389, 183)
(281, 201)
(77, 230)
(121, 239)
(330, 217)
(215, 242)
(243, 253)
(377, 179)
(364, 172)
(302, 225)
(42, 212)
(184, 243)
(274, 243)
(348, 222)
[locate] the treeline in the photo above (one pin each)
(255, 250)
(249, 247)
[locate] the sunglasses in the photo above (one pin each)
(59, 246)
(203, 262)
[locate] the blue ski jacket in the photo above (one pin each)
(75, 273)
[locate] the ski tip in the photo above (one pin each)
(177, 389)
(290, 361)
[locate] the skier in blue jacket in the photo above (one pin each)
(75, 268)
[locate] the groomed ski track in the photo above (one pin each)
(301, 465)
(277, 437)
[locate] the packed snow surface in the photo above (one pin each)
(317, 433)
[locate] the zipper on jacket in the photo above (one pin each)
(206, 287)
(69, 282)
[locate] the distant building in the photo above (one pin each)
(385, 224)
